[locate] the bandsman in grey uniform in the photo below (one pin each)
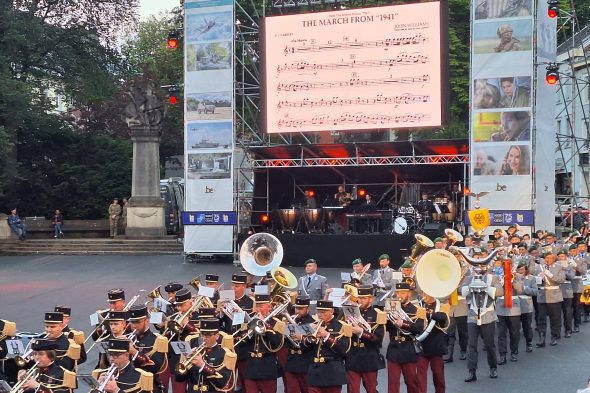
(583, 254)
(312, 284)
(357, 275)
(549, 298)
(529, 283)
(580, 270)
(509, 322)
(458, 318)
(567, 291)
(383, 281)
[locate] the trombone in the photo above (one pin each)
(103, 336)
(174, 324)
(30, 374)
(21, 360)
(101, 388)
(182, 368)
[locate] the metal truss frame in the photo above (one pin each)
(360, 161)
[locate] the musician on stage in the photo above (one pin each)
(51, 377)
(213, 369)
(358, 277)
(402, 355)
(67, 352)
(76, 335)
(425, 205)
(342, 197)
(364, 359)
(383, 281)
(330, 343)
(299, 357)
(124, 376)
(434, 346)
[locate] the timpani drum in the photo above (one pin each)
(288, 219)
(313, 219)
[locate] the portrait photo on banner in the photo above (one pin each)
(489, 9)
(503, 160)
(504, 92)
(502, 126)
(502, 36)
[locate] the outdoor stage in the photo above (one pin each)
(338, 251)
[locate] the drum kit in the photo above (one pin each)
(405, 219)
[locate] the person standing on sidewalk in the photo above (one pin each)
(57, 223)
(114, 213)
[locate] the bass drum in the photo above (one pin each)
(401, 225)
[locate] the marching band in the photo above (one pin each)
(449, 290)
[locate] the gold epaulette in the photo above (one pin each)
(78, 336)
(9, 329)
(420, 313)
(146, 380)
(161, 344)
(227, 341)
(73, 351)
(280, 326)
(230, 359)
(96, 372)
(345, 329)
(69, 380)
(190, 337)
(381, 317)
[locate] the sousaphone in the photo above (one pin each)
(261, 253)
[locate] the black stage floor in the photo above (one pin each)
(338, 251)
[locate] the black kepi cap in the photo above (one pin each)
(365, 291)
(118, 345)
(210, 325)
(301, 301)
(325, 305)
(211, 278)
(402, 286)
(239, 279)
(43, 344)
(54, 317)
(173, 287)
(137, 313)
(116, 294)
(184, 295)
(65, 310)
(206, 313)
(262, 298)
(117, 316)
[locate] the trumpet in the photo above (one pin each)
(399, 313)
(101, 388)
(182, 368)
(103, 336)
(174, 324)
(30, 374)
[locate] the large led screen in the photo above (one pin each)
(364, 68)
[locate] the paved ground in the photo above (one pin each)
(29, 286)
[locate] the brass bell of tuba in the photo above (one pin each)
(261, 253)
(422, 244)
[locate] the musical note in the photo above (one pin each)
(353, 82)
(406, 98)
(353, 118)
(399, 60)
(416, 39)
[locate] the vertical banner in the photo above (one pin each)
(502, 87)
(209, 129)
(545, 121)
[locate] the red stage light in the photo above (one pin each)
(264, 218)
(361, 192)
(310, 193)
(466, 190)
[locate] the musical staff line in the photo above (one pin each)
(416, 39)
(406, 98)
(401, 60)
(353, 118)
(353, 82)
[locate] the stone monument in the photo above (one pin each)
(144, 115)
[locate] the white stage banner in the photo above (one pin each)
(209, 218)
(502, 88)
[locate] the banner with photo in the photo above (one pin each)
(545, 122)
(502, 90)
(209, 128)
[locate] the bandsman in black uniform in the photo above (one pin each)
(8, 368)
(76, 335)
(261, 371)
(330, 343)
(239, 284)
(51, 377)
(116, 299)
(125, 378)
(67, 352)
(434, 346)
(299, 357)
(364, 359)
(402, 354)
(212, 281)
(149, 351)
(212, 368)
(117, 322)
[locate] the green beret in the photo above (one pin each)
(357, 261)
(573, 247)
(562, 251)
(522, 263)
(550, 234)
(547, 254)
(439, 239)
(310, 260)
(532, 248)
(383, 256)
(580, 244)
(406, 265)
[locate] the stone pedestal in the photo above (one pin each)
(145, 209)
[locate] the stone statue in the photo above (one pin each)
(145, 109)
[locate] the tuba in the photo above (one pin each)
(261, 253)
(452, 237)
(422, 244)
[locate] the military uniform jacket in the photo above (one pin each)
(567, 290)
(214, 376)
(365, 352)
(386, 275)
(316, 289)
(242, 350)
(401, 348)
(188, 331)
(131, 379)
(114, 209)
(549, 290)
(529, 289)
(151, 359)
(436, 343)
(103, 329)
(78, 338)
(327, 366)
(262, 362)
(55, 379)
(298, 359)
(67, 353)
(461, 309)
(364, 280)
(579, 271)
(515, 310)
(487, 313)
